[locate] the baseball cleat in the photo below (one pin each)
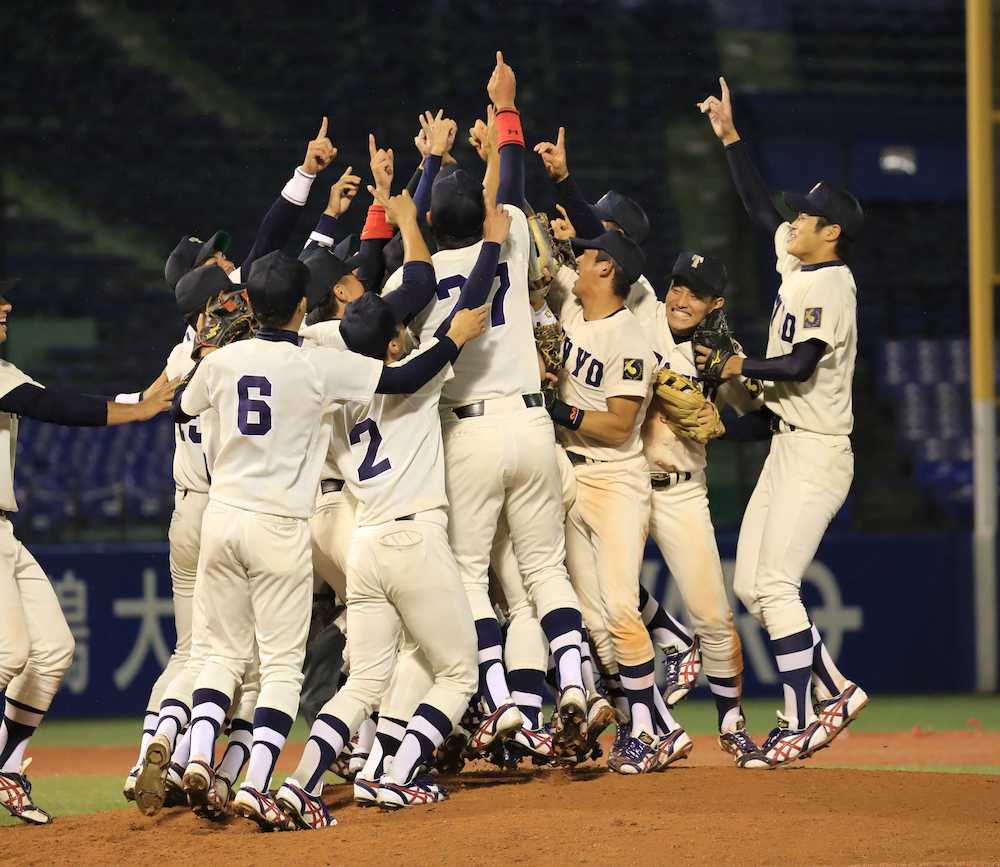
(173, 787)
(150, 785)
(504, 721)
(356, 765)
(633, 754)
(572, 712)
(308, 812)
(682, 670)
(365, 792)
(395, 796)
(837, 713)
(672, 748)
(341, 766)
(743, 748)
(450, 757)
(784, 745)
(600, 714)
(206, 792)
(536, 742)
(261, 808)
(15, 796)
(128, 790)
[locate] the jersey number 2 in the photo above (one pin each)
(260, 424)
(368, 469)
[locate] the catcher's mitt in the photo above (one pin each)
(680, 402)
(713, 332)
(547, 253)
(227, 319)
(549, 341)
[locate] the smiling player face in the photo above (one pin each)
(686, 308)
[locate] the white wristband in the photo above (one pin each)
(543, 316)
(297, 189)
(129, 398)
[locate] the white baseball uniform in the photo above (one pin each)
(809, 469)
(274, 402)
(36, 645)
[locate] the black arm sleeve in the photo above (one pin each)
(414, 293)
(510, 190)
(797, 366)
(414, 181)
(419, 370)
(570, 196)
(747, 428)
(751, 187)
(422, 196)
(178, 415)
(371, 270)
(274, 231)
(55, 406)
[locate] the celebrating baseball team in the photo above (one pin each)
(469, 447)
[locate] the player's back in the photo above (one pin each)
(503, 362)
(391, 453)
(274, 401)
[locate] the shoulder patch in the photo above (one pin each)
(632, 369)
(813, 317)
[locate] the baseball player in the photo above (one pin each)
(36, 647)
(197, 272)
(274, 401)
(808, 376)
(680, 521)
(498, 441)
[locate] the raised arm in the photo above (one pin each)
(749, 184)
(570, 197)
(440, 132)
(329, 231)
(502, 90)
(419, 283)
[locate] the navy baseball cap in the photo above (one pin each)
(196, 288)
(327, 265)
(368, 325)
(277, 278)
(457, 207)
(836, 205)
(706, 275)
(624, 211)
(191, 252)
(626, 253)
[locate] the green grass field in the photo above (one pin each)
(65, 794)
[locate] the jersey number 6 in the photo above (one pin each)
(260, 409)
(368, 469)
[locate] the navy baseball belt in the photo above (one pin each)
(665, 480)
(331, 486)
(478, 408)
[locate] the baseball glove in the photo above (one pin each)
(548, 341)
(713, 332)
(227, 319)
(680, 402)
(547, 253)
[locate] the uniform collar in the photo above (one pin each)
(833, 263)
(276, 335)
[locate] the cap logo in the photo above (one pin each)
(696, 260)
(195, 240)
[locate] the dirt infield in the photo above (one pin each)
(701, 813)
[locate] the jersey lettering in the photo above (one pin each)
(193, 432)
(368, 469)
(581, 357)
(595, 373)
(788, 328)
(260, 424)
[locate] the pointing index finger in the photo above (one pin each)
(725, 89)
(371, 145)
(561, 138)
(322, 128)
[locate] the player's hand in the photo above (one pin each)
(319, 152)
(720, 114)
(381, 163)
(468, 324)
(502, 86)
(496, 226)
(554, 156)
(562, 227)
(157, 399)
(399, 210)
(442, 133)
(422, 140)
(342, 193)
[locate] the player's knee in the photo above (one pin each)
(13, 659)
(623, 619)
(57, 657)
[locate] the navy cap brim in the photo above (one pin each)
(220, 241)
(800, 204)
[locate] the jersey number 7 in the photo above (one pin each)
(445, 287)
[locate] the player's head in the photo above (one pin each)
(697, 283)
(619, 213)
(608, 264)
(276, 287)
(828, 220)
(369, 327)
(333, 281)
(199, 286)
(192, 252)
(457, 210)
(6, 288)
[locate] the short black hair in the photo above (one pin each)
(275, 312)
(619, 280)
(326, 310)
(843, 247)
(445, 241)
(368, 325)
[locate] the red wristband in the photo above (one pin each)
(376, 225)
(509, 127)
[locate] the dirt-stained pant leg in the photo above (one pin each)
(803, 484)
(681, 525)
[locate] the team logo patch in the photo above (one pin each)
(813, 317)
(632, 369)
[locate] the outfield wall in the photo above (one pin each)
(896, 612)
